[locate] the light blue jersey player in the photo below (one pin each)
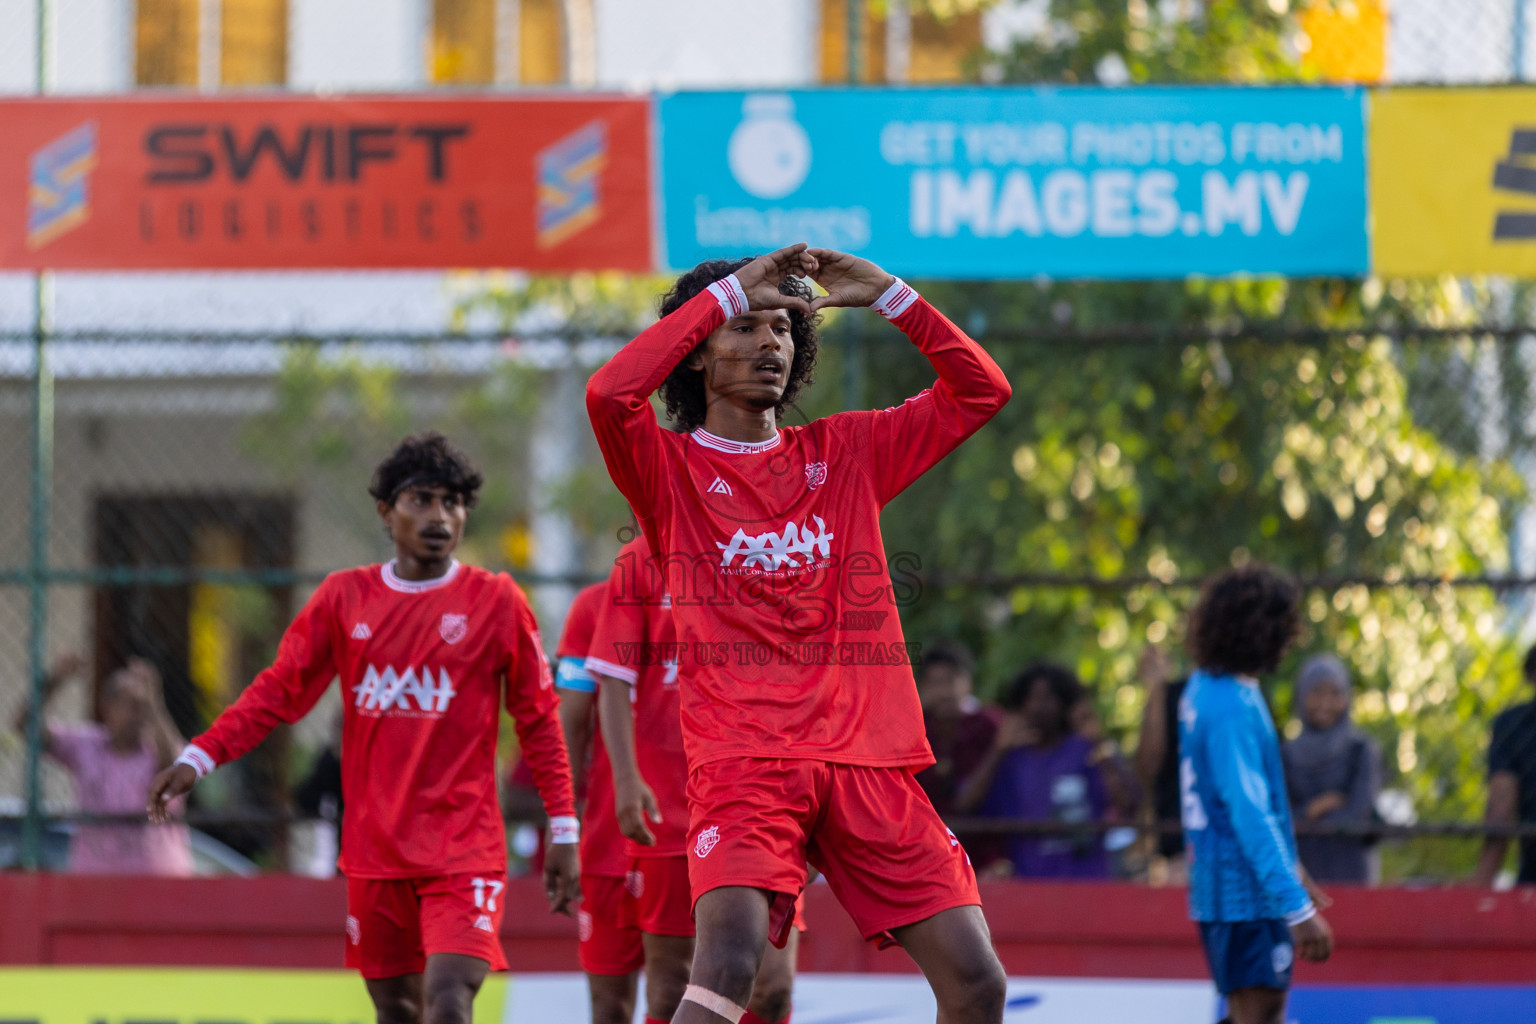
(1246, 891)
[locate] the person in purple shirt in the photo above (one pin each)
(1040, 769)
(112, 763)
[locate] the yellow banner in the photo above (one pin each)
(1453, 181)
(69, 995)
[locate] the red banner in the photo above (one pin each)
(139, 184)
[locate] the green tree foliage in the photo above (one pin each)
(1146, 41)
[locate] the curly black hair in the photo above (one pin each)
(1062, 681)
(1244, 621)
(683, 390)
(426, 459)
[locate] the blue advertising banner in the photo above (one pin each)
(1408, 1004)
(1018, 182)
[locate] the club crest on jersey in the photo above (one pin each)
(453, 627)
(815, 474)
(406, 692)
(706, 841)
(795, 546)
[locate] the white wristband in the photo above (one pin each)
(727, 291)
(1306, 913)
(898, 298)
(564, 831)
(196, 758)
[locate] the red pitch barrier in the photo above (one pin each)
(1043, 930)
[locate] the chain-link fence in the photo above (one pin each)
(202, 484)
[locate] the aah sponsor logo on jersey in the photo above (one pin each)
(719, 487)
(411, 691)
(795, 546)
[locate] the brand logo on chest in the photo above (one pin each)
(453, 627)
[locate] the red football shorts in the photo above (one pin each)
(394, 924)
(609, 937)
(871, 831)
(663, 900)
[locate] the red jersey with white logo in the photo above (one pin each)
(634, 642)
(425, 668)
(780, 589)
(602, 845)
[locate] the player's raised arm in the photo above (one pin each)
(283, 693)
(535, 711)
(906, 441)
(618, 395)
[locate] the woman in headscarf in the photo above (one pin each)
(1333, 772)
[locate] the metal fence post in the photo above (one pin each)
(41, 486)
(1517, 42)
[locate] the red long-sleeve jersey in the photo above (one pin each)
(425, 668)
(602, 844)
(781, 593)
(634, 642)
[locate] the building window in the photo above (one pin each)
(463, 42)
(941, 47)
(898, 42)
(211, 43)
(253, 42)
(480, 42)
(540, 42)
(834, 41)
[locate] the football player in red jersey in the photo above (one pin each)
(801, 719)
(635, 659)
(427, 651)
(609, 946)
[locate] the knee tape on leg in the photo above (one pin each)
(714, 1003)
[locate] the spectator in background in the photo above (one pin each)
(1039, 769)
(112, 763)
(1157, 760)
(1120, 785)
(1512, 786)
(959, 729)
(1332, 772)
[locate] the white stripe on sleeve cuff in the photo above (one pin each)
(598, 666)
(197, 759)
(564, 831)
(1306, 913)
(727, 291)
(898, 298)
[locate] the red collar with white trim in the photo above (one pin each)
(722, 444)
(393, 581)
